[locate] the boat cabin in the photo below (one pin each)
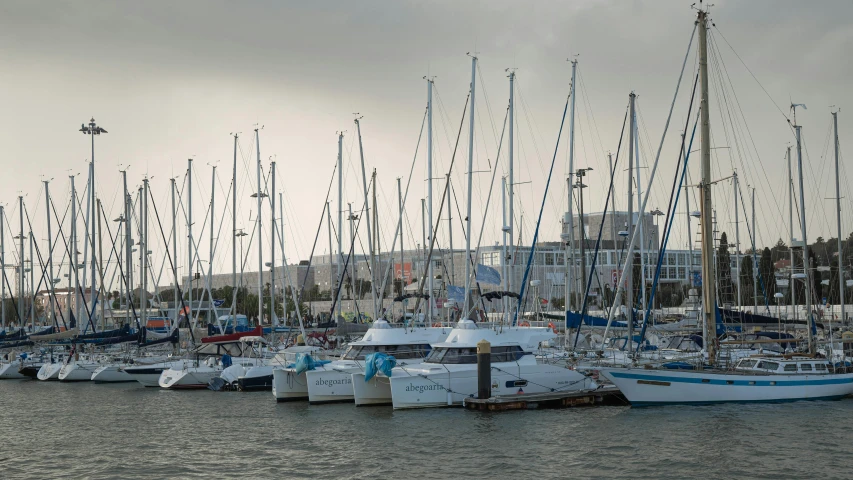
(805, 366)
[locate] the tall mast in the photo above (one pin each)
(452, 278)
(511, 186)
(470, 188)
(504, 230)
(233, 310)
(258, 233)
(128, 250)
(402, 267)
(806, 262)
(32, 286)
(838, 220)
(754, 258)
(708, 278)
(367, 218)
(175, 290)
(210, 304)
(340, 260)
(102, 291)
(94, 130)
(2, 267)
(143, 271)
(737, 240)
(272, 245)
(640, 214)
(190, 314)
(331, 252)
(430, 286)
(629, 298)
(791, 234)
(72, 272)
(571, 226)
(21, 263)
(49, 254)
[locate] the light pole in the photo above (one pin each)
(779, 296)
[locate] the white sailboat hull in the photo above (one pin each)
(188, 378)
(661, 387)
(9, 370)
(77, 372)
(328, 385)
(49, 371)
(147, 375)
(111, 374)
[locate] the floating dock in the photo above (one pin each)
(606, 396)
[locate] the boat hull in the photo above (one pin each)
(329, 386)
(49, 372)
(653, 387)
(30, 370)
(77, 372)
(257, 379)
(148, 376)
(111, 374)
(436, 386)
(191, 378)
(10, 371)
(287, 386)
(375, 392)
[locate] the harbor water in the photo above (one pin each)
(84, 430)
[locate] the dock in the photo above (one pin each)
(607, 396)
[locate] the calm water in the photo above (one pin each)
(52, 430)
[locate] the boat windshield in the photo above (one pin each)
(359, 352)
(468, 355)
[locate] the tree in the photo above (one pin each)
(724, 271)
(767, 273)
(746, 281)
(779, 251)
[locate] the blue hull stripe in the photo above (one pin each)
(785, 400)
(726, 379)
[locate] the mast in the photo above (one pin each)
(258, 232)
(102, 291)
(838, 220)
(791, 234)
(2, 267)
(452, 278)
(272, 245)
(708, 278)
(331, 252)
(377, 252)
(754, 258)
(400, 223)
(233, 310)
(737, 239)
(21, 263)
(190, 316)
(806, 260)
(689, 231)
(32, 285)
(367, 218)
(511, 270)
(72, 272)
(128, 250)
(629, 298)
(175, 252)
(430, 286)
(470, 188)
(570, 257)
(143, 246)
(49, 255)
(504, 229)
(340, 261)
(641, 217)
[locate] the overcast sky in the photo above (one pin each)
(170, 81)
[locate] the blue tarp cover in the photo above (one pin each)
(378, 362)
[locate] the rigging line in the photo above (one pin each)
(43, 266)
(70, 257)
(521, 297)
(752, 74)
(491, 186)
(319, 227)
(122, 276)
(610, 194)
(443, 198)
(349, 257)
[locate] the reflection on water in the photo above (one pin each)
(53, 430)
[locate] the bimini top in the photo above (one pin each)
(467, 334)
(382, 333)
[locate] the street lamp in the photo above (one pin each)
(92, 129)
(778, 296)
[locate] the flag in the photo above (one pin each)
(488, 275)
(456, 294)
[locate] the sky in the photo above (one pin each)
(172, 81)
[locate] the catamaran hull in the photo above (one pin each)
(329, 386)
(652, 387)
(375, 392)
(49, 371)
(287, 386)
(111, 374)
(9, 371)
(418, 389)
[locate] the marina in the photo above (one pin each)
(630, 291)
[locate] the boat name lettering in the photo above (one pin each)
(328, 383)
(423, 388)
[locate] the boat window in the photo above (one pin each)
(820, 366)
(453, 355)
(805, 367)
(354, 353)
(507, 354)
(790, 367)
(746, 364)
(405, 351)
(768, 365)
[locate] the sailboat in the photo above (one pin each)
(753, 379)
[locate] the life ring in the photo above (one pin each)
(524, 324)
(553, 327)
(436, 324)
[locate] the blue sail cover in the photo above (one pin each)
(573, 320)
(378, 362)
